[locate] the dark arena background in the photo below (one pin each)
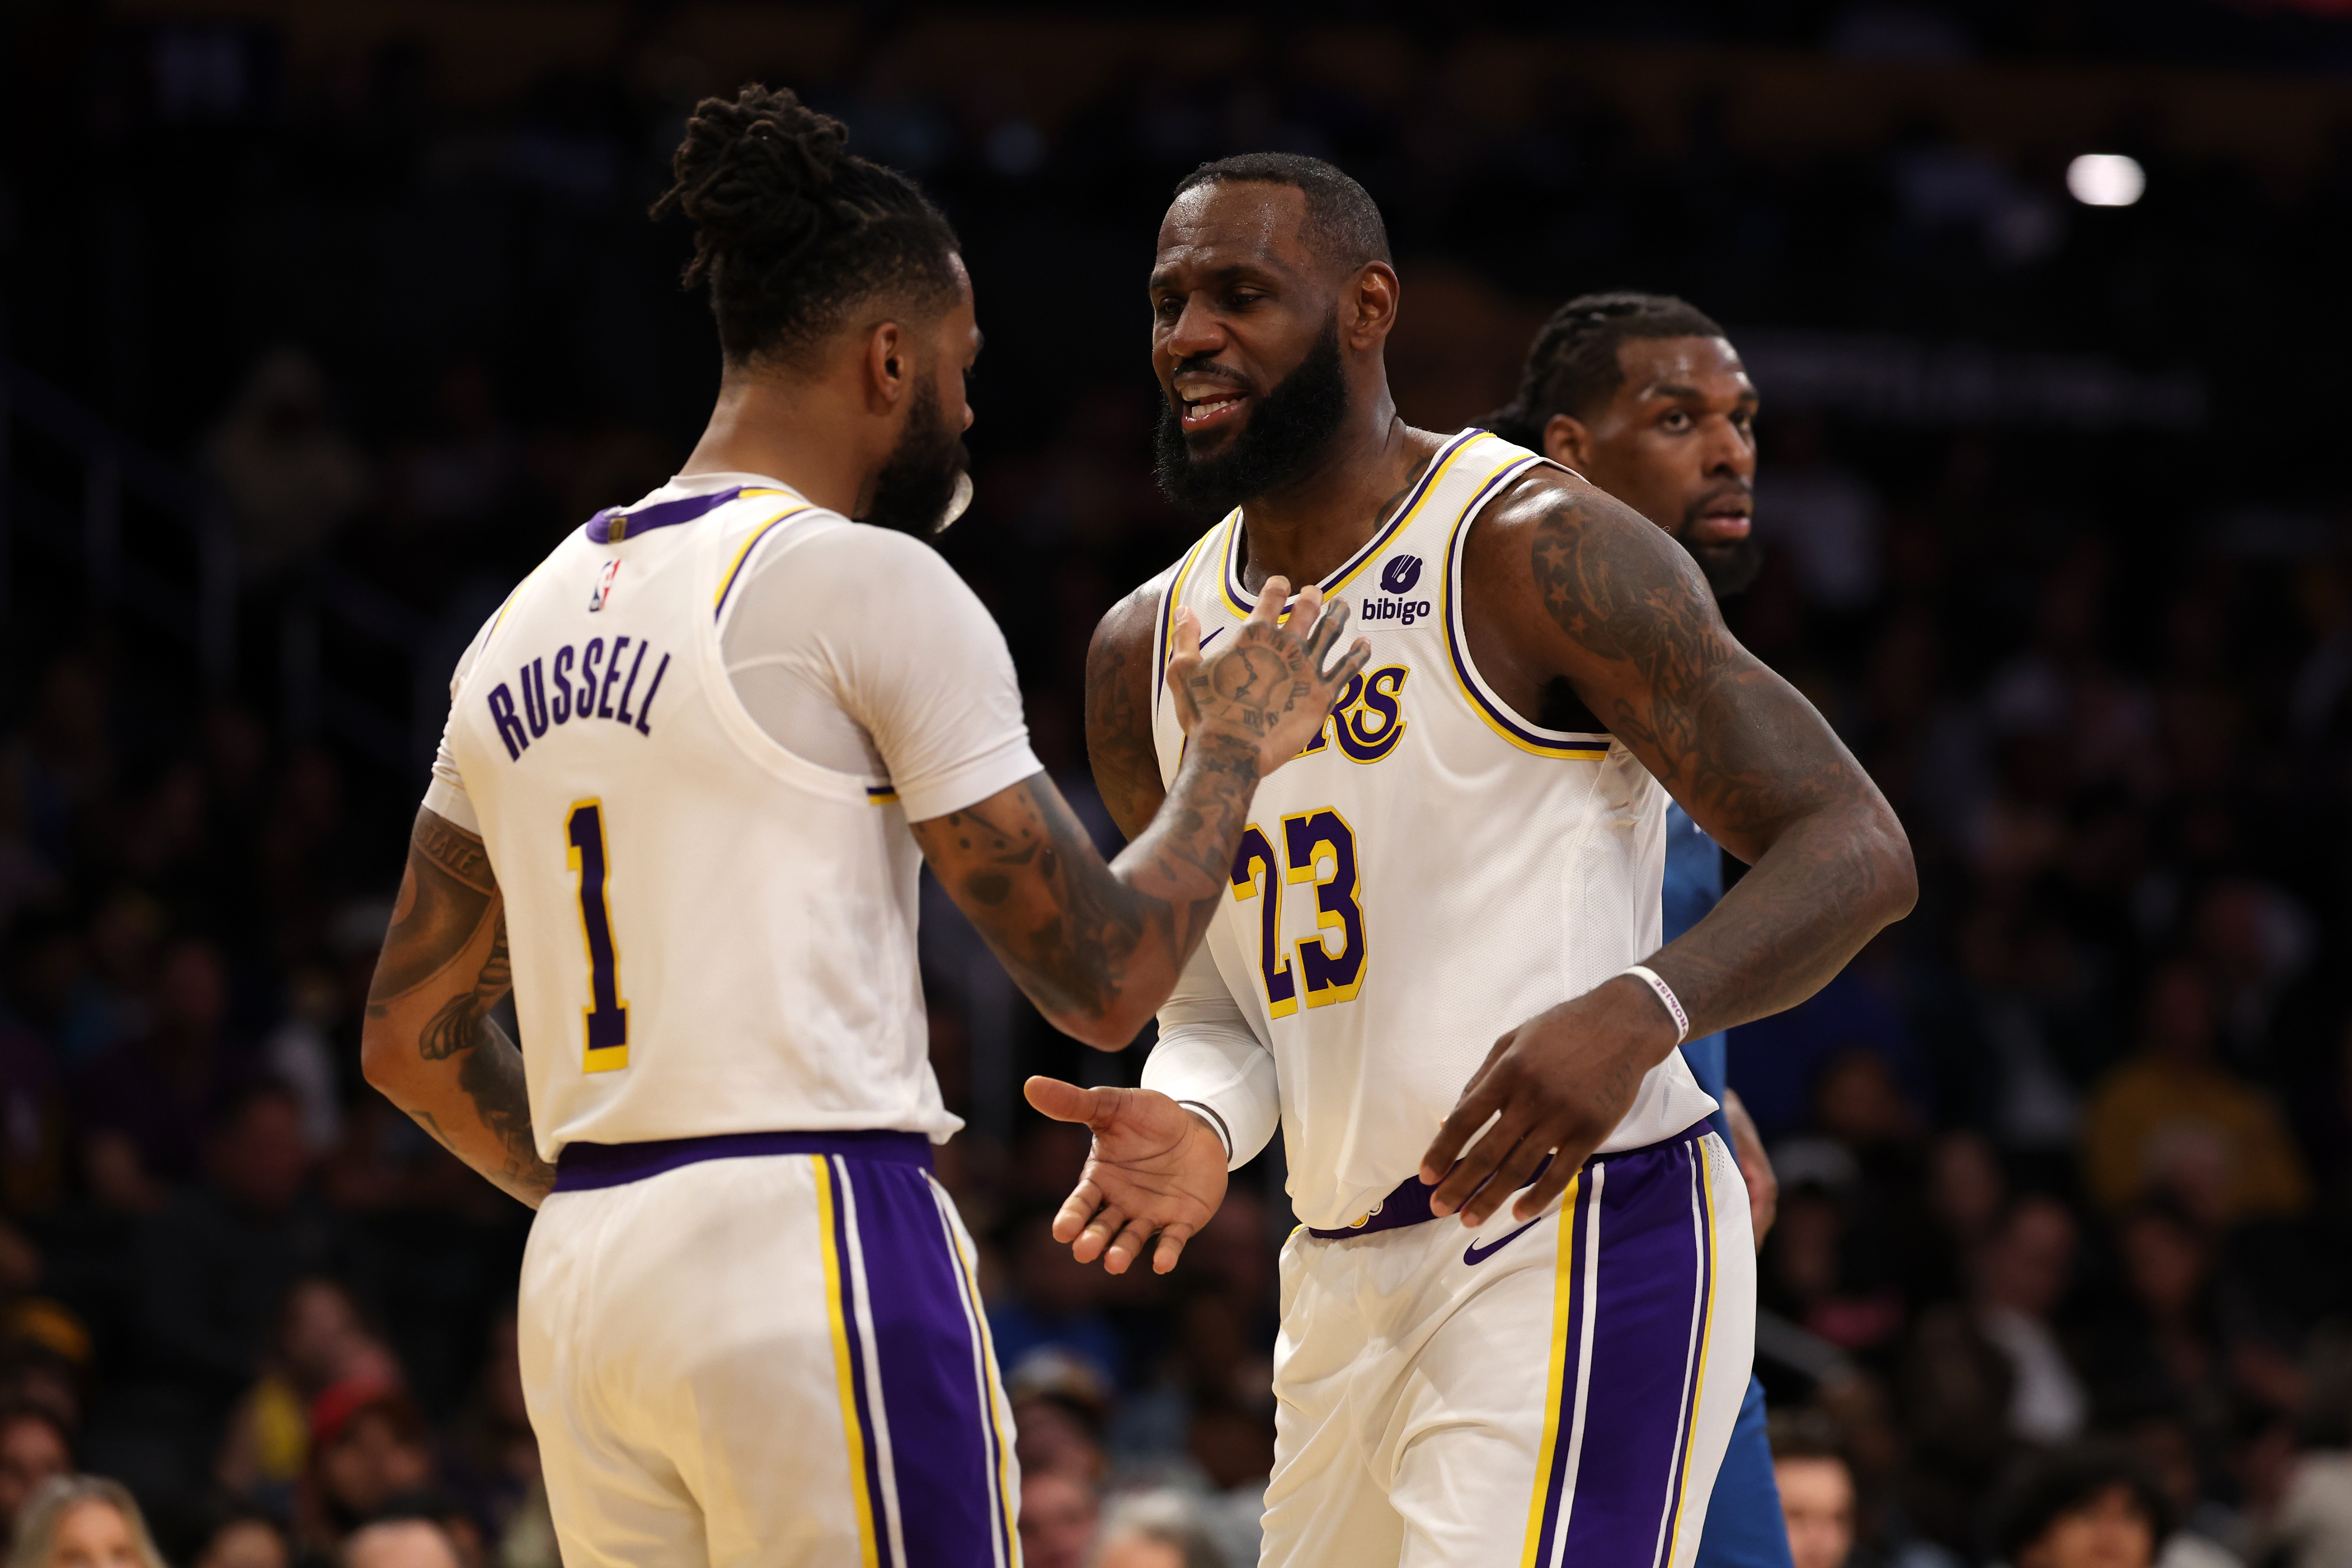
(320, 322)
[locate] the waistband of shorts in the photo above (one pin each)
(581, 1167)
(1408, 1201)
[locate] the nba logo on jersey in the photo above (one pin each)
(1399, 575)
(604, 584)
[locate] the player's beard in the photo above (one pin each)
(1730, 568)
(1286, 435)
(915, 486)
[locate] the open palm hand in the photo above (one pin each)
(1155, 1168)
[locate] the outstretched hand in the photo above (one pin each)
(1268, 687)
(1155, 1168)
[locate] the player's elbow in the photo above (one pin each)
(1896, 877)
(1111, 1028)
(381, 1062)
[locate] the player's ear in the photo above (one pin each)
(1566, 442)
(1374, 294)
(886, 367)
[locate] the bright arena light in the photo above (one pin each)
(2106, 180)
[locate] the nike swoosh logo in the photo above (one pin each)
(1474, 1254)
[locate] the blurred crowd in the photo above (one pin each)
(2065, 1160)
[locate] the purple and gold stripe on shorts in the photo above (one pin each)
(916, 1363)
(1632, 1313)
(869, 1477)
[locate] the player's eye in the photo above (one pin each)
(1675, 419)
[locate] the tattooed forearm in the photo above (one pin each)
(428, 1041)
(492, 1077)
(1068, 929)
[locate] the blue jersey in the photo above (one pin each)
(1694, 885)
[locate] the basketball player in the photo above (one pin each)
(1645, 396)
(1439, 964)
(688, 768)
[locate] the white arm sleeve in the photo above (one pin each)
(1209, 1060)
(857, 645)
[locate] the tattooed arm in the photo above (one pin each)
(1098, 947)
(1568, 590)
(428, 1044)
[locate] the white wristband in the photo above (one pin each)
(1672, 1003)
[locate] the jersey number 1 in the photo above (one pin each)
(1316, 840)
(607, 1016)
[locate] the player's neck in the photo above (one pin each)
(1308, 530)
(789, 431)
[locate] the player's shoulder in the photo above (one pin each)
(847, 563)
(1543, 491)
(1549, 511)
(1130, 625)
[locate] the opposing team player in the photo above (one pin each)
(1439, 962)
(680, 770)
(1645, 396)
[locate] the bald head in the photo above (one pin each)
(401, 1543)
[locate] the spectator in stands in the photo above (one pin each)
(242, 1536)
(400, 1543)
(1059, 1513)
(367, 1447)
(34, 1447)
(1157, 1529)
(2310, 1525)
(1983, 1376)
(2023, 1275)
(2205, 1533)
(2081, 1508)
(322, 1341)
(1058, 1403)
(1817, 1491)
(2172, 1119)
(83, 1521)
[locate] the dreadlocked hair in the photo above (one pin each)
(791, 230)
(1572, 365)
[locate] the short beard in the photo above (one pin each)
(1729, 569)
(1287, 434)
(912, 492)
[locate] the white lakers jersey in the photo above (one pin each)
(710, 933)
(1431, 871)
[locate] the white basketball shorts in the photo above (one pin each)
(1558, 1392)
(764, 1348)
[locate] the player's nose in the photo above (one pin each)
(1730, 450)
(1196, 331)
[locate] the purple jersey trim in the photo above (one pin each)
(1408, 1204)
(602, 529)
(583, 1167)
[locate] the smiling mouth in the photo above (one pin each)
(1211, 410)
